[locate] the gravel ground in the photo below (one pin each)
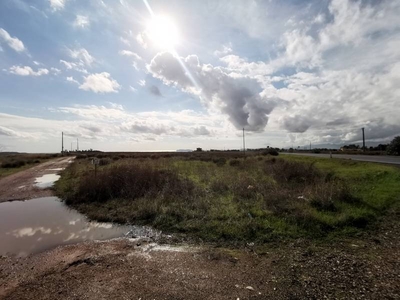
(359, 268)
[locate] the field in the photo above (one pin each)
(224, 197)
(13, 163)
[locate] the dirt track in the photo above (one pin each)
(20, 186)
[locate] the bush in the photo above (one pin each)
(234, 162)
(394, 146)
(293, 172)
(13, 164)
(129, 182)
(104, 161)
(221, 161)
(272, 152)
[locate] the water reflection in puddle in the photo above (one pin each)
(46, 181)
(36, 225)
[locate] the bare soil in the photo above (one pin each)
(21, 185)
(358, 268)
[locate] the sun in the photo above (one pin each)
(163, 32)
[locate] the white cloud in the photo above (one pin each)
(226, 49)
(27, 71)
(125, 41)
(116, 105)
(82, 56)
(55, 71)
(57, 4)
(111, 127)
(344, 71)
(132, 89)
(81, 21)
(13, 42)
(71, 79)
(100, 83)
(141, 40)
(7, 132)
(73, 66)
(135, 57)
(130, 54)
(142, 82)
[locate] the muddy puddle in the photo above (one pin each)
(29, 227)
(46, 181)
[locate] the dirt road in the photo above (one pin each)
(21, 185)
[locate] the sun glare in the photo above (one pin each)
(163, 32)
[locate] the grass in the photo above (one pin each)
(223, 197)
(10, 164)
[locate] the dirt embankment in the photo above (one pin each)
(21, 185)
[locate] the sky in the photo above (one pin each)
(134, 75)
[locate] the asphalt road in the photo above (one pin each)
(392, 160)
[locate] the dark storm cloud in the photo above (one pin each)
(237, 97)
(155, 91)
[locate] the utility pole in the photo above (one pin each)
(363, 139)
(244, 145)
(62, 143)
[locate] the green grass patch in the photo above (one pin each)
(258, 199)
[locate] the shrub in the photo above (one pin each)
(394, 146)
(293, 172)
(221, 161)
(219, 186)
(104, 161)
(129, 182)
(234, 162)
(13, 164)
(272, 152)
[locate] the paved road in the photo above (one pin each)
(393, 160)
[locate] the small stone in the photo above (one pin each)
(249, 288)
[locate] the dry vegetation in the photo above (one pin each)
(224, 197)
(12, 163)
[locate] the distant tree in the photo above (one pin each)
(351, 147)
(394, 146)
(382, 147)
